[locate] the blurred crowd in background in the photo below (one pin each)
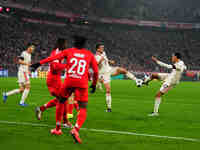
(174, 10)
(129, 48)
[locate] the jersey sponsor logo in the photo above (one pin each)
(75, 76)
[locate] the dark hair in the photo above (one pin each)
(60, 44)
(79, 41)
(178, 55)
(98, 45)
(29, 45)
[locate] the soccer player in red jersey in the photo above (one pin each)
(79, 60)
(54, 81)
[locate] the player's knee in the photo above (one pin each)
(82, 104)
(159, 94)
(108, 90)
(28, 86)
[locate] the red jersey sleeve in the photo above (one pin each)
(61, 66)
(59, 56)
(94, 66)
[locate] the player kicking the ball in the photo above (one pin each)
(23, 76)
(106, 71)
(170, 80)
(79, 60)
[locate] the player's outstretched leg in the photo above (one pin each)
(149, 78)
(41, 109)
(6, 94)
(125, 72)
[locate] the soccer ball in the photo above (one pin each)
(139, 82)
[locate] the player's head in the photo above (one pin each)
(100, 48)
(176, 56)
(61, 44)
(79, 41)
(30, 48)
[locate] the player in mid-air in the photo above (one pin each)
(170, 80)
(54, 82)
(79, 60)
(24, 61)
(106, 71)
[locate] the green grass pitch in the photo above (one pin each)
(179, 117)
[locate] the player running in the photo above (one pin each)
(79, 60)
(170, 80)
(106, 71)
(23, 76)
(54, 82)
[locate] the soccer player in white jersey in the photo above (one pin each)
(106, 71)
(170, 80)
(23, 76)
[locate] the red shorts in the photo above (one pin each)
(54, 85)
(81, 94)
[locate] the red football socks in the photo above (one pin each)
(65, 112)
(50, 104)
(82, 115)
(59, 115)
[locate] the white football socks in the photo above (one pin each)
(108, 100)
(157, 104)
(131, 76)
(24, 96)
(15, 91)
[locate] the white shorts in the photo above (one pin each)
(166, 87)
(106, 77)
(23, 78)
(163, 76)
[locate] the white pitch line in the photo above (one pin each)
(105, 131)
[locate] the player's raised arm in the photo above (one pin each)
(162, 64)
(49, 59)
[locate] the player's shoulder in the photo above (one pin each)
(181, 62)
(86, 51)
(23, 52)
